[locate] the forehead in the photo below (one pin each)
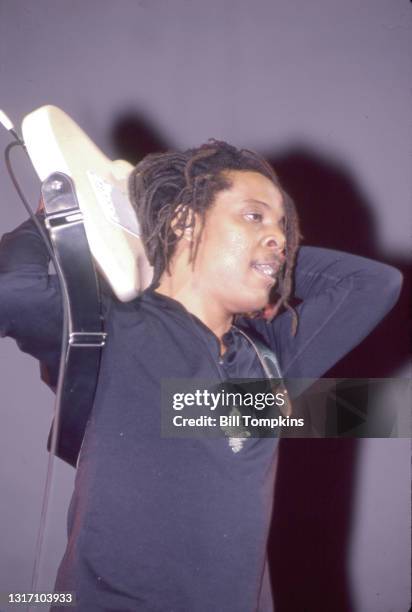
(253, 186)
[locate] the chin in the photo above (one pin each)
(253, 305)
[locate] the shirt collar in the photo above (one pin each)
(175, 307)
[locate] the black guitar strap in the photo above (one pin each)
(64, 221)
(271, 368)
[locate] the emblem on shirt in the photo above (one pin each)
(236, 433)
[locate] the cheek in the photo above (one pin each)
(228, 253)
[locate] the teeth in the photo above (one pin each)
(266, 269)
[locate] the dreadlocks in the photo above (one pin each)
(167, 189)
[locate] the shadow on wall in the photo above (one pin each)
(133, 137)
(315, 486)
(335, 214)
(312, 517)
(309, 539)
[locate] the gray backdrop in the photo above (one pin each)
(322, 88)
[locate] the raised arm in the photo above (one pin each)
(30, 302)
(343, 298)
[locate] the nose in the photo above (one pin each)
(275, 241)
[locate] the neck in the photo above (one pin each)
(193, 297)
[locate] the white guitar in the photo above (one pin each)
(55, 142)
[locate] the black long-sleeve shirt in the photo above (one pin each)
(160, 524)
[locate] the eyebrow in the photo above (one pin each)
(264, 203)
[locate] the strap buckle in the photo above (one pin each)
(87, 339)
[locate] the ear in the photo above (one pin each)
(187, 231)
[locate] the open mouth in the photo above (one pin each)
(267, 270)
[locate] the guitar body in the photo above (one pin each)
(55, 143)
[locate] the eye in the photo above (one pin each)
(254, 217)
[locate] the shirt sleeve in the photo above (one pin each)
(343, 298)
(30, 299)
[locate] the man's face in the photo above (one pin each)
(241, 247)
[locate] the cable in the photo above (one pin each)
(8, 124)
(24, 201)
(62, 367)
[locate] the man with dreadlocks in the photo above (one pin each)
(161, 524)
